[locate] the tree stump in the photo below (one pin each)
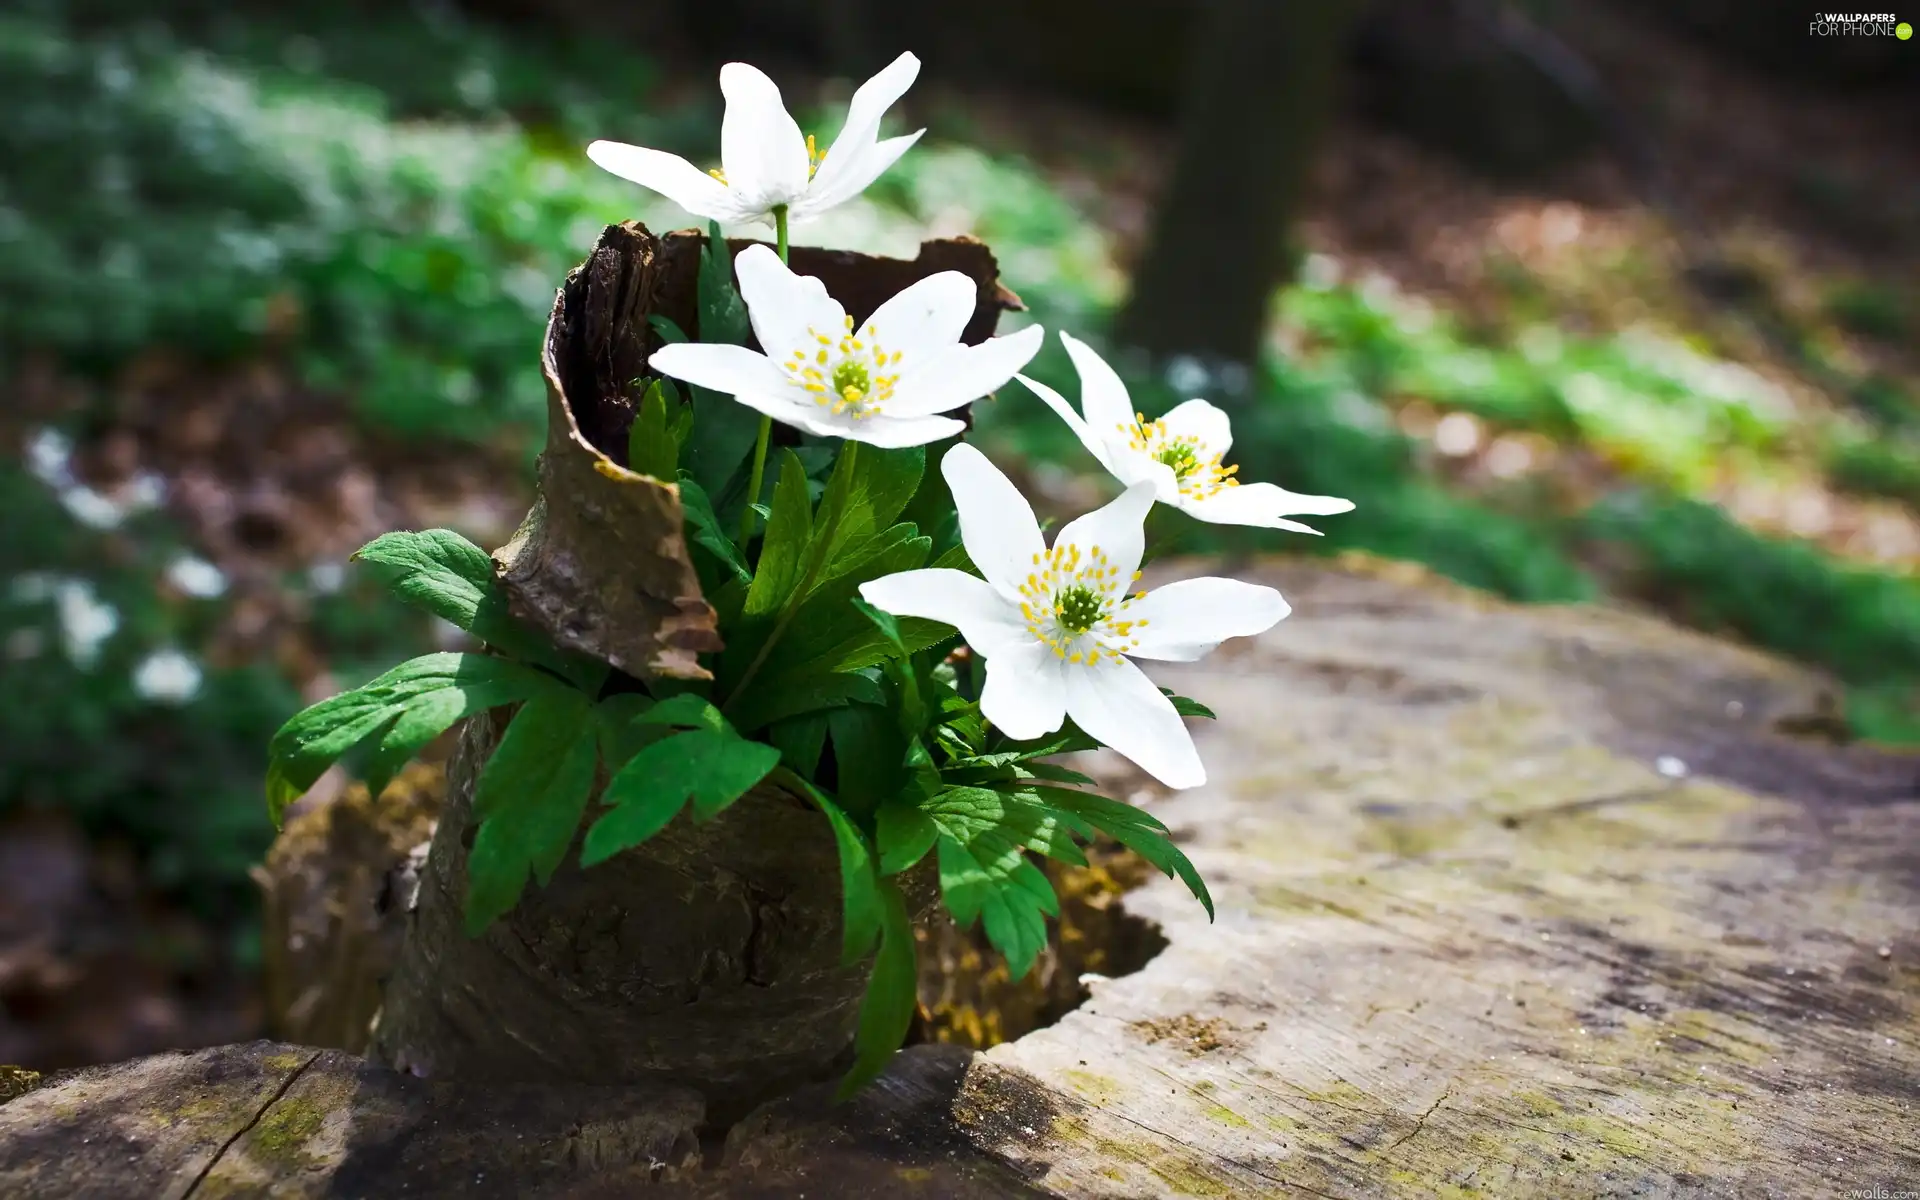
(708, 957)
(1513, 901)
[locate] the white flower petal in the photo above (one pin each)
(1185, 620)
(762, 150)
(857, 136)
(893, 433)
(1058, 403)
(867, 165)
(782, 305)
(997, 525)
(1103, 398)
(925, 318)
(791, 406)
(734, 370)
(1115, 703)
(670, 175)
(1202, 423)
(1263, 504)
(1117, 528)
(966, 602)
(1026, 691)
(964, 373)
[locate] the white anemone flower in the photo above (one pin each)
(765, 162)
(1179, 453)
(884, 382)
(1058, 625)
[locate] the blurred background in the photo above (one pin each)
(1610, 301)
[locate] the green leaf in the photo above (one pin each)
(723, 315)
(620, 736)
(800, 741)
(765, 706)
(1186, 706)
(315, 738)
(829, 634)
(869, 754)
(707, 530)
(885, 623)
(887, 1008)
(872, 486)
(528, 802)
(904, 834)
(686, 711)
(488, 683)
(859, 885)
(669, 331)
(710, 769)
(450, 577)
(990, 880)
(932, 508)
(984, 870)
(1051, 772)
(783, 549)
(1136, 830)
(968, 813)
(434, 569)
(652, 448)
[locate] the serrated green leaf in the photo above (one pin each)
(687, 711)
(450, 577)
(885, 623)
(800, 741)
(869, 755)
(528, 802)
(829, 634)
(434, 569)
(904, 834)
(859, 884)
(887, 1008)
(932, 508)
(1134, 829)
(783, 548)
(991, 881)
(872, 487)
(702, 767)
(723, 315)
(620, 736)
(1187, 706)
(315, 738)
(486, 683)
(968, 813)
(707, 530)
(1051, 772)
(765, 706)
(651, 447)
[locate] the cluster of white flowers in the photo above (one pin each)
(1056, 625)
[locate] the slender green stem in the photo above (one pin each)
(816, 562)
(754, 480)
(759, 473)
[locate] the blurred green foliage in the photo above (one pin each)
(385, 203)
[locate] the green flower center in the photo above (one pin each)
(852, 381)
(1080, 608)
(1181, 457)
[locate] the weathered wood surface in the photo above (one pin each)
(1473, 940)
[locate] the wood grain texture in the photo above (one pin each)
(1473, 940)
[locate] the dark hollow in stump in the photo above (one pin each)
(709, 957)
